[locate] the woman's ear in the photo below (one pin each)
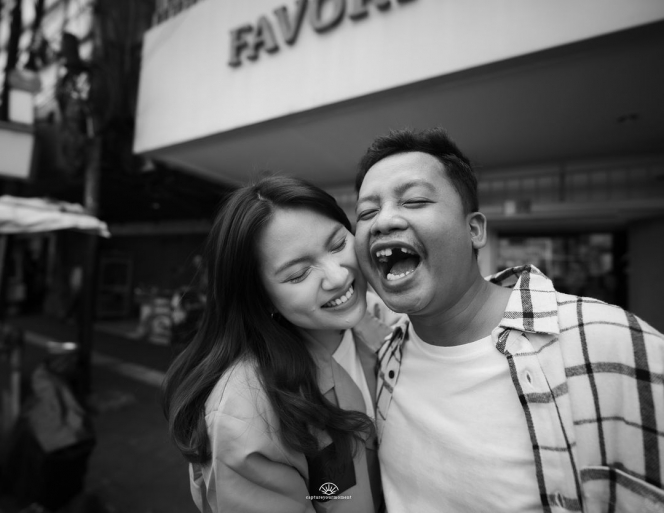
(477, 228)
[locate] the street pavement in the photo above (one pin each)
(134, 467)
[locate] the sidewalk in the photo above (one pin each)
(134, 467)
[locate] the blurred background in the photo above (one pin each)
(123, 123)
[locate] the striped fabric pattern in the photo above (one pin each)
(590, 379)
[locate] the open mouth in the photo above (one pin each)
(344, 298)
(397, 262)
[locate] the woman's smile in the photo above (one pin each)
(341, 300)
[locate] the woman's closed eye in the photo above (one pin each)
(340, 245)
(298, 276)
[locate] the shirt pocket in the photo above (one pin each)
(608, 489)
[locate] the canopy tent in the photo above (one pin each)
(32, 215)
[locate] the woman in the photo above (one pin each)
(271, 403)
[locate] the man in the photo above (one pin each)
(490, 398)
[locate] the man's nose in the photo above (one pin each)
(388, 219)
(335, 275)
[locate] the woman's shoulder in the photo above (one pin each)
(379, 310)
(377, 323)
(239, 392)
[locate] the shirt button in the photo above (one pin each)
(390, 374)
(529, 378)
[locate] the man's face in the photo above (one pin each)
(413, 240)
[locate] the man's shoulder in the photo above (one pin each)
(609, 332)
(587, 312)
(573, 312)
(572, 309)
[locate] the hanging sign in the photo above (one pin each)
(247, 41)
(168, 8)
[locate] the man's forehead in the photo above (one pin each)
(399, 173)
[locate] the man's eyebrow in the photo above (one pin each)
(372, 198)
(305, 258)
(400, 190)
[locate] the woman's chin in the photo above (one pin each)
(350, 317)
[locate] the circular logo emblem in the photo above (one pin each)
(329, 488)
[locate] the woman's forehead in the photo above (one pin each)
(293, 234)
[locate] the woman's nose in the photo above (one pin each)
(335, 275)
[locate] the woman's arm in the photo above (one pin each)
(251, 470)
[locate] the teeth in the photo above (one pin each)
(384, 253)
(388, 252)
(392, 277)
(341, 300)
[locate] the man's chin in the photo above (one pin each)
(400, 302)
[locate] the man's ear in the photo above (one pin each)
(476, 222)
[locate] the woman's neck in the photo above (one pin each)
(330, 339)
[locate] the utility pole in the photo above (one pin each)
(91, 204)
(15, 30)
(88, 290)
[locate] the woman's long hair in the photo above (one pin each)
(237, 323)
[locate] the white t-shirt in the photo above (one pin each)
(347, 357)
(456, 438)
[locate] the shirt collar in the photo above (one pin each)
(323, 359)
(532, 306)
(399, 333)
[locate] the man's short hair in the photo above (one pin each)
(436, 143)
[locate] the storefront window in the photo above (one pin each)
(589, 264)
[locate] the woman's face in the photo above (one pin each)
(309, 269)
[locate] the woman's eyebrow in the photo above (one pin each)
(306, 258)
(291, 263)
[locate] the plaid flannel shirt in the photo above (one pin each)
(590, 379)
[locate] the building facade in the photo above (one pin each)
(558, 104)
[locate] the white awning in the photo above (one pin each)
(32, 215)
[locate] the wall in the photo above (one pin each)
(645, 271)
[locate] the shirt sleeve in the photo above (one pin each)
(250, 470)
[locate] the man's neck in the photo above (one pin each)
(472, 318)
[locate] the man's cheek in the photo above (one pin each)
(364, 260)
(361, 247)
